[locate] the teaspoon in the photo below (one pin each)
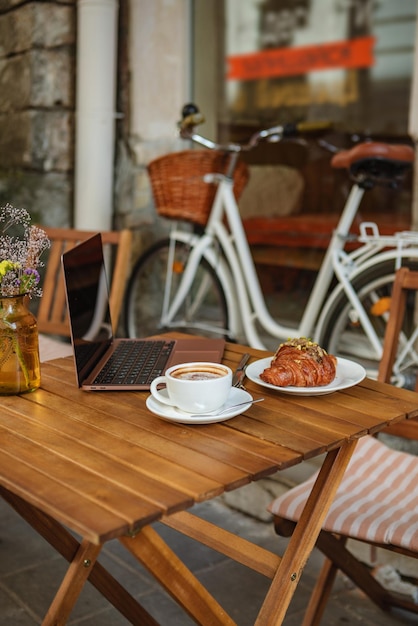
(228, 408)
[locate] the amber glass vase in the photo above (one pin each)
(20, 369)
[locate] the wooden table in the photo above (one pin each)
(101, 465)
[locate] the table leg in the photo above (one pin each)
(70, 588)
(304, 536)
(149, 548)
(60, 539)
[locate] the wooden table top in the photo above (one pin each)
(102, 464)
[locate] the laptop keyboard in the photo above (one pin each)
(135, 363)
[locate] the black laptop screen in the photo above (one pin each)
(88, 302)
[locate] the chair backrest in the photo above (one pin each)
(406, 281)
(52, 315)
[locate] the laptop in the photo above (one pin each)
(102, 362)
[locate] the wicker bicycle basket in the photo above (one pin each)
(178, 186)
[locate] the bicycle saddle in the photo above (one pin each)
(372, 163)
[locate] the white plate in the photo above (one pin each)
(348, 374)
(176, 415)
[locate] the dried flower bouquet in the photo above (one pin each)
(21, 246)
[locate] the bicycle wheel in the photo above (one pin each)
(204, 310)
(344, 336)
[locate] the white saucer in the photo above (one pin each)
(176, 415)
(348, 374)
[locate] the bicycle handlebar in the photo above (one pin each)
(192, 117)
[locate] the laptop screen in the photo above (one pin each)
(88, 303)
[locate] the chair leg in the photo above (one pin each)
(323, 586)
(334, 549)
(320, 594)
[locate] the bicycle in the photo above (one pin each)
(203, 279)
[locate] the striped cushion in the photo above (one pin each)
(376, 501)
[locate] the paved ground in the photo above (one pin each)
(30, 572)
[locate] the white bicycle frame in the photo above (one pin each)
(225, 247)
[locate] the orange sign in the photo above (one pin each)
(353, 53)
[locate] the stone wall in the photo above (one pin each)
(37, 106)
(37, 100)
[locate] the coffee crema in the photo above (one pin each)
(201, 373)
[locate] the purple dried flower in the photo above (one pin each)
(20, 252)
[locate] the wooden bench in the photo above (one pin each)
(300, 241)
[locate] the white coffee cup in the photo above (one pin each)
(196, 387)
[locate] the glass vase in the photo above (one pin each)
(20, 370)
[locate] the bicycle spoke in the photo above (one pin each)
(154, 283)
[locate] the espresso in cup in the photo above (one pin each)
(201, 373)
(197, 387)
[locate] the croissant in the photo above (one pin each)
(300, 363)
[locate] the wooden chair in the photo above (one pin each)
(377, 502)
(52, 315)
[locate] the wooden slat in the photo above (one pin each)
(171, 463)
(277, 454)
(244, 453)
(176, 578)
(61, 502)
(389, 408)
(86, 455)
(52, 316)
(315, 416)
(114, 450)
(239, 549)
(405, 397)
(276, 256)
(296, 441)
(306, 230)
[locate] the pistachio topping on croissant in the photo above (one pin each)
(307, 345)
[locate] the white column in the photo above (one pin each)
(95, 113)
(413, 105)
(160, 62)
(413, 130)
